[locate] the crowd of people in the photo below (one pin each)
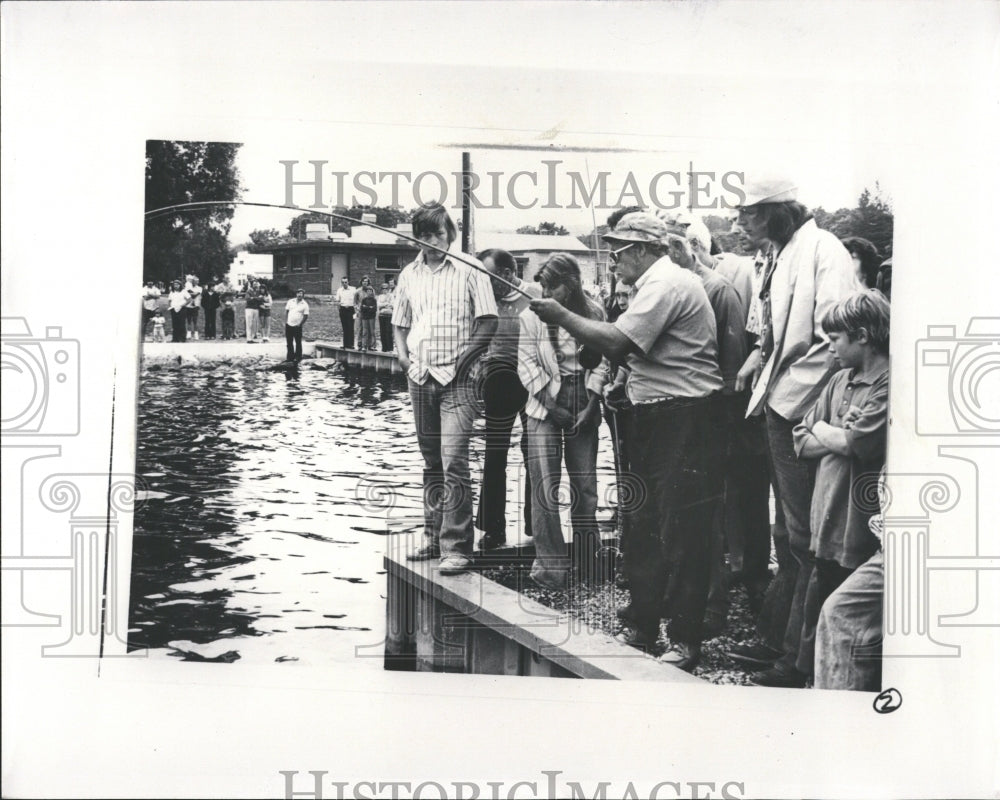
(722, 378)
(186, 300)
(363, 312)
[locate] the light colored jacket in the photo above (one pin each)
(812, 273)
(538, 368)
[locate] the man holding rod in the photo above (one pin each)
(667, 339)
(443, 320)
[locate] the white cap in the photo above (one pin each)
(770, 189)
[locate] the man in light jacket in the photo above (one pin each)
(809, 271)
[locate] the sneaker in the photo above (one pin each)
(266, 339)
(425, 553)
(779, 679)
(754, 656)
(641, 641)
(454, 564)
(683, 656)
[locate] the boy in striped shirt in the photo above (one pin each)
(443, 320)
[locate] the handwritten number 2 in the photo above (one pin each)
(888, 701)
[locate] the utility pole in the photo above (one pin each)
(468, 235)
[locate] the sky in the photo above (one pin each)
(629, 125)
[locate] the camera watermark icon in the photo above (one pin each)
(41, 378)
(962, 375)
(95, 504)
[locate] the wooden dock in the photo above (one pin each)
(366, 359)
(468, 623)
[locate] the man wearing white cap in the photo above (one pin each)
(811, 271)
(667, 339)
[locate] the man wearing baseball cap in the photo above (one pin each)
(667, 339)
(788, 369)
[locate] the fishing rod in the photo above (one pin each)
(164, 211)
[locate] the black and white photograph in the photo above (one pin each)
(397, 360)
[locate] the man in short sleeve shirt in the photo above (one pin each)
(667, 339)
(443, 319)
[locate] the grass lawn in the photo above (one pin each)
(323, 324)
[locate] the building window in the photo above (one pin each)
(280, 263)
(312, 262)
(296, 262)
(387, 263)
(520, 263)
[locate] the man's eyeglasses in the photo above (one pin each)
(614, 255)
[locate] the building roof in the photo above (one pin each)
(524, 242)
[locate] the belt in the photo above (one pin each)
(661, 403)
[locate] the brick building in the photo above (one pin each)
(530, 251)
(318, 262)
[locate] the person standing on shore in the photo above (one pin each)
(384, 301)
(296, 314)
(193, 307)
(345, 304)
(359, 295)
(252, 311)
(150, 304)
(178, 300)
(368, 310)
(265, 313)
(210, 303)
(228, 315)
(444, 318)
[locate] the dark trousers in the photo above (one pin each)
(178, 323)
(504, 398)
(748, 489)
(385, 332)
(347, 324)
(228, 326)
(210, 323)
(795, 481)
(293, 342)
(673, 451)
(824, 580)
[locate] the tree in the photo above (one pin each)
(871, 220)
(261, 239)
(189, 240)
(545, 229)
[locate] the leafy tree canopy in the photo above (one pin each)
(545, 229)
(189, 240)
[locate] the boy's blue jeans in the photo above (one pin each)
(444, 416)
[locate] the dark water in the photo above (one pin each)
(270, 499)
(252, 542)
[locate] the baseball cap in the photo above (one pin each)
(638, 227)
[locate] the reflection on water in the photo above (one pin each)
(256, 541)
(251, 543)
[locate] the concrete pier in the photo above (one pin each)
(366, 359)
(468, 623)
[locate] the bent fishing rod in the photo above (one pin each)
(165, 210)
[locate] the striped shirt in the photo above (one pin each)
(439, 306)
